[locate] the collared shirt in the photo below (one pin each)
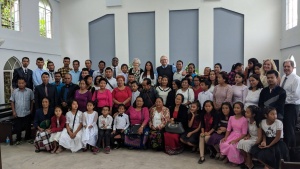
(51, 77)
(203, 96)
(64, 71)
(178, 75)
(118, 69)
(98, 73)
(75, 76)
(105, 121)
(22, 100)
(37, 76)
(173, 69)
(58, 87)
(113, 84)
(134, 96)
(121, 122)
(292, 88)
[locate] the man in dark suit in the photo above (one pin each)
(23, 72)
(45, 90)
(67, 92)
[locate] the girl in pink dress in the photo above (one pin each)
(236, 130)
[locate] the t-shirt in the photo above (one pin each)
(270, 130)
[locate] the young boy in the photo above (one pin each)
(111, 82)
(124, 69)
(205, 94)
(135, 91)
(84, 72)
(105, 124)
(121, 123)
(131, 78)
(21, 105)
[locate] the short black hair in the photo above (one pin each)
(273, 72)
(186, 79)
(87, 76)
(67, 58)
(219, 64)
(102, 79)
(21, 78)
(108, 68)
(124, 65)
(84, 69)
(76, 61)
(148, 81)
(40, 59)
(101, 61)
(122, 105)
(206, 82)
(45, 73)
(25, 58)
(89, 60)
(135, 82)
(106, 106)
(58, 73)
(49, 62)
(180, 61)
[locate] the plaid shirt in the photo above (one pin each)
(64, 71)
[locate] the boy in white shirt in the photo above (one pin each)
(111, 82)
(205, 94)
(135, 91)
(105, 125)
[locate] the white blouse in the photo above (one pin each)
(156, 119)
(153, 81)
(252, 98)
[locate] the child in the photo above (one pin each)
(121, 123)
(71, 136)
(218, 135)
(191, 136)
(240, 90)
(252, 114)
(58, 123)
(272, 148)
(90, 129)
(104, 123)
(209, 124)
(124, 69)
(135, 91)
(236, 130)
(131, 78)
(205, 94)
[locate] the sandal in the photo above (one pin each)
(201, 160)
(225, 160)
(222, 157)
(59, 150)
(217, 156)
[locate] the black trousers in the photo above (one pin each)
(23, 123)
(118, 132)
(289, 124)
(105, 135)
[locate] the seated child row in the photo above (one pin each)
(230, 135)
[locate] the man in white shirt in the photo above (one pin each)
(101, 71)
(51, 68)
(111, 82)
(37, 73)
(180, 73)
(115, 68)
(290, 82)
(75, 73)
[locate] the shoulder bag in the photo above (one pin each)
(175, 127)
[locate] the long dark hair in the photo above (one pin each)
(231, 113)
(151, 71)
(234, 66)
(254, 61)
(215, 83)
(255, 111)
(259, 84)
(213, 111)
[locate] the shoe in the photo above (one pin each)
(37, 150)
(117, 146)
(225, 161)
(95, 150)
(107, 150)
(18, 143)
(84, 149)
(212, 155)
(59, 150)
(217, 156)
(221, 158)
(201, 160)
(30, 141)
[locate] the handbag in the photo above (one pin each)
(45, 124)
(134, 128)
(74, 121)
(175, 127)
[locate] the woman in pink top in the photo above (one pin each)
(139, 117)
(121, 94)
(103, 96)
(223, 91)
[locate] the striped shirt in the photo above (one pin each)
(22, 99)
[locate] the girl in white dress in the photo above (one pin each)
(252, 114)
(90, 129)
(71, 136)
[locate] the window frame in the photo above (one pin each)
(14, 14)
(291, 14)
(45, 12)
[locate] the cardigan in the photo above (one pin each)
(62, 123)
(182, 115)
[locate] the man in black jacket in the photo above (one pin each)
(148, 93)
(23, 72)
(67, 92)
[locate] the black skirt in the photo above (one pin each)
(194, 139)
(272, 155)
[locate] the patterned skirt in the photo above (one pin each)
(135, 140)
(156, 139)
(173, 145)
(42, 141)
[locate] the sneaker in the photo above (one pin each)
(18, 143)
(107, 150)
(95, 150)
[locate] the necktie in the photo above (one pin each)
(121, 115)
(115, 74)
(283, 83)
(25, 72)
(46, 91)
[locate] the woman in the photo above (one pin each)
(218, 68)
(42, 121)
(139, 117)
(136, 70)
(186, 92)
(258, 71)
(159, 116)
(213, 79)
(102, 96)
(96, 84)
(121, 94)
(178, 113)
(163, 89)
(250, 70)
(82, 95)
(148, 73)
(223, 91)
(254, 91)
(269, 64)
(238, 67)
(89, 82)
(171, 95)
(196, 88)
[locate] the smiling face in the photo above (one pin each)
(253, 82)
(267, 65)
(288, 68)
(164, 61)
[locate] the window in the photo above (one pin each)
(45, 18)
(293, 59)
(291, 14)
(10, 18)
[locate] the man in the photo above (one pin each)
(21, 105)
(57, 82)
(84, 73)
(166, 70)
(115, 68)
(101, 71)
(51, 68)
(66, 68)
(273, 95)
(75, 72)
(67, 93)
(88, 65)
(291, 84)
(23, 72)
(180, 73)
(45, 90)
(111, 82)
(149, 94)
(37, 73)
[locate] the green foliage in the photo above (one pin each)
(7, 16)
(42, 23)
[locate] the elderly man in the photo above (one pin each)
(166, 70)
(291, 84)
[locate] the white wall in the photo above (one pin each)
(28, 42)
(262, 26)
(290, 41)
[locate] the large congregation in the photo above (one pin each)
(235, 116)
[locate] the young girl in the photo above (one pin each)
(240, 90)
(252, 114)
(71, 136)
(163, 90)
(191, 136)
(218, 135)
(236, 130)
(124, 69)
(90, 129)
(197, 88)
(58, 123)
(213, 79)
(209, 124)
(272, 148)
(105, 124)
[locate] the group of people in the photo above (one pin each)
(235, 116)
